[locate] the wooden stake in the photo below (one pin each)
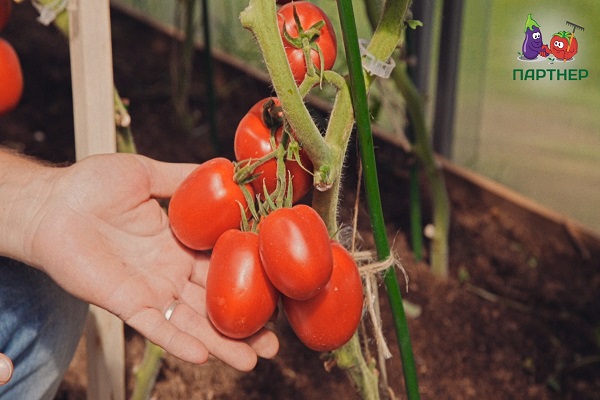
(92, 80)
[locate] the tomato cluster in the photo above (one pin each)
(283, 253)
(11, 76)
(287, 255)
(265, 248)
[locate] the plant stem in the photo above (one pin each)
(424, 151)
(416, 220)
(125, 141)
(384, 35)
(260, 18)
(181, 68)
(146, 373)
(350, 359)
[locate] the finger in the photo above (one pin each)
(6, 369)
(200, 269)
(236, 353)
(164, 177)
(154, 326)
(264, 343)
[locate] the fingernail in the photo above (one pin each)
(5, 371)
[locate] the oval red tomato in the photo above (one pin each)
(5, 7)
(206, 204)
(240, 299)
(308, 15)
(11, 77)
(253, 140)
(295, 251)
(328, 320)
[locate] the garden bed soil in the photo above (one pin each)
(518, 317)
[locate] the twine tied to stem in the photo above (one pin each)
(370, 269)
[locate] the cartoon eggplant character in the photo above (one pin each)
(533, 39)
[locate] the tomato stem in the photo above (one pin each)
(244, 174)
(388, 35)
(260, 17)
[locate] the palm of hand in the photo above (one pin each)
(104, 237)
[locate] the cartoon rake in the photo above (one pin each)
(572, 35)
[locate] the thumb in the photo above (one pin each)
(6, 369)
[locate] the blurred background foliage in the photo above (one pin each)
(538, 137)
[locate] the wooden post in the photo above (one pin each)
(93, 108)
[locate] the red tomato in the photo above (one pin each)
(308, 14)
(5, 6)
(206, 204)
(240, 299)
(11, 77)
(295, 250)
(328, 320)
(563, 46)
(253, 141)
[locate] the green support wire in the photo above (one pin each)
(365, 142)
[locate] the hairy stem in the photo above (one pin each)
(260, 18)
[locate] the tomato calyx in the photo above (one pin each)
(272, 115)
(306, 40)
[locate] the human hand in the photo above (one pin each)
(6, 369)
(102, 235)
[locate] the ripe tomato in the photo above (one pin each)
(206, 204)
(308, 15)
(240, 299)
(253, 140)
(295, 250)
(11, 77)
(563, 46)
(328, 320)
(5, 7)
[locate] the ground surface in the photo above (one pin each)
(523, 323)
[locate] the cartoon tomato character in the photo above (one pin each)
(563, 46)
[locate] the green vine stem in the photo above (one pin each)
(182, 64)
(125, 142)
(416, 220)
(387, 32)
(260, 18)
(424, 151)
(146, 373)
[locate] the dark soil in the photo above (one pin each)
(518, 318)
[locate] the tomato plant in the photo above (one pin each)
(253, 141)
(295, 250)
(328, 320)
(11, 77)
(240, 299)
(206, 204)
(314, 27)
